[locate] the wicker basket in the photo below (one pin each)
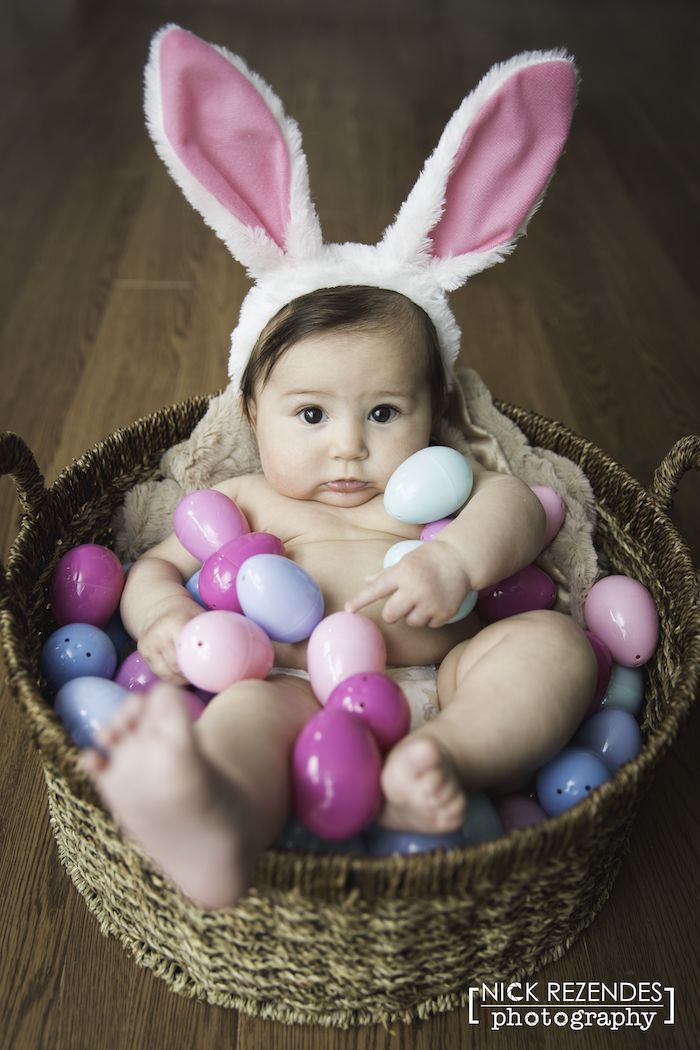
(332, 939)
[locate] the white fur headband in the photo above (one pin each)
(238, 159)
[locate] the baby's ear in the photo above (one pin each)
(490, 169)
(224, 136)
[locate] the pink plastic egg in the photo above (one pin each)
(554, 511)
(530, 588)
(604, 662)
(621, 612)
(216, 649)
(194, 704)
(378, 701)
(430, 531)
(343, 644)
(134, 673)
(336, 767)
(217, 577)
(86, 585)
(207, 519)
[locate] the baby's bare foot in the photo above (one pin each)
(172, 802)
(421, 788)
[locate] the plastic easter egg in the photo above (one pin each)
(207, 519)
(336, 767)
(378, 701)
(384, 842)
(604, 664)
(394, 555)
(482, 822)
(218, 648)
(86, 705)
(568, 778)
(280, 596)
(343, 644)
(432, 483)
(611, 734)
(554, 511)
(217, 580)
(621, 612)
(119, 636)
(192, 587)
(135, 674)
(296, 838)
(74, 651)
(86, 585)
(194, 704)
(433, 528)
(519, 811)
(529, 589)
(625, 689)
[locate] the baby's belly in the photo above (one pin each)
(340, 569)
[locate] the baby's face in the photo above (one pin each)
(340, 411)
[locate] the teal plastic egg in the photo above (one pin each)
(432, 483)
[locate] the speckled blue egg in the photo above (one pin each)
(76, 650)
(432, 483)
(569, 778)
(86, 705)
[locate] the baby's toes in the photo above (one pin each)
(124, 721)
(165, 714)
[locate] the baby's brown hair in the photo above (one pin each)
(347, 306)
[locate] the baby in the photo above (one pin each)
(341, 387)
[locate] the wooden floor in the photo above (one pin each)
(115, 300)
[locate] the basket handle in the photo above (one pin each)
(681, 457)
(17, 459)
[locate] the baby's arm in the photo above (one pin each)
(500, 530)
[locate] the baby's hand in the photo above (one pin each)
(158, 640)
(426, 588)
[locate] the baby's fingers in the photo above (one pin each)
(379, 586)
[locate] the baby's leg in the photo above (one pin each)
(204, 800)
(510, 698)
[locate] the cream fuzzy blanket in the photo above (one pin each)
(222, 445)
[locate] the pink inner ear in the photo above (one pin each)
(505, 160)
(224, 133)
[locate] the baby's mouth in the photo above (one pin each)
(346, 485)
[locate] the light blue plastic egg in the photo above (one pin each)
(569, 778)
(192, 586)
(85, 705)
(383, 842)
(394, 555)
(432, 483)
(279, 596)
(482, 823)
(613, 735)
(76, 650)
(625, 689)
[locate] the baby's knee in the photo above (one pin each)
(564, 645)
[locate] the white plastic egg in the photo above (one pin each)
(432, 483)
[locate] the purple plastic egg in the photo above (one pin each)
(280, 596)
(519, 811)
(216, 649)
(86, 585)
(604, 662)
(336, 767)
(135, 674)
(378, 701)
(217, 577)
(529, 589)
(611, 734)
(621, 612)
(554, 511)
(207, 519)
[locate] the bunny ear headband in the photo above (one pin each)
(238, 159)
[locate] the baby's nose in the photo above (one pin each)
(349, 442)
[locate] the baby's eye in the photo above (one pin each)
(313, 414)
(383, 414)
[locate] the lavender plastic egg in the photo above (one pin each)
(86, 705)
(385, 842)
(336, 767)
(568, 778)
(432, 483)
(519, 811)
(135, 674)
(343, 644)
(625, 689)
(76, 650)
(611, 734)
(530, 588)
(86, 585)
(604, 664)
(217, 578)
(378, 701)
(433, 528)
(554, 511)
(207, 519)
(218, 648)
(280, 596)
(621, 612)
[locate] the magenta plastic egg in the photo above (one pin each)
(554, 511)
(217, 577)
(207, 519)
(378, 701)
(218, 648)
(604, 662)
(529, 589)
(134, 673)
(431, 530)
(343, 644)
(621, 612)
(432, 483)
(280, 596)
(336, 767)
(519, 811)
(86, 585)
